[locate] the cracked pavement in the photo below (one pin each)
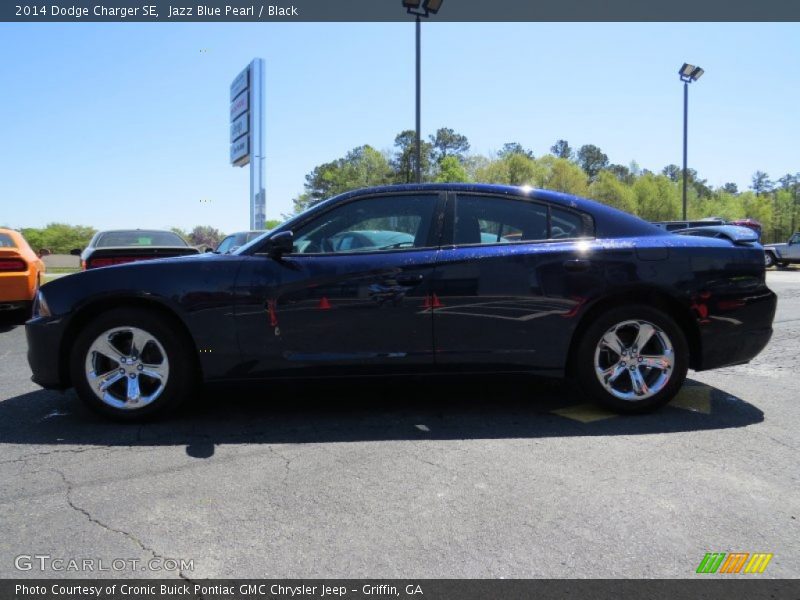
(408, 478)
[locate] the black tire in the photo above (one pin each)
(769, 259)
(182, 374)
(783, 265)
(585, 370)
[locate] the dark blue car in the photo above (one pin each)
(425, 278)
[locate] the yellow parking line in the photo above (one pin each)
(585, 413)
(696, 398)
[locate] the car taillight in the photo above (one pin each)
(115, 260)
(8, 265)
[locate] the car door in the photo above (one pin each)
(793, 248)
(334, 305)
(508, 282)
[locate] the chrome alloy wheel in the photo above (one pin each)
(634, 360)
(127, 367)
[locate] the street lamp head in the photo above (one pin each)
(689, 73)
(422, 8)
(433, 6)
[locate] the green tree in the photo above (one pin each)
(510, 148)
(451, 170)
(622, 173)
(205, 235)
(404, 159)
(672, 172)
(761, 183)
(610, 190)
(272, 223)
(446, 143)
(361, 167)
(512, 169)
(657, 198)
(565, 176)
(730, 188)
(59, 238)
(562, 149)
(592, 160)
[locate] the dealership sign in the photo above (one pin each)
(240, 151)
(240, 127)
(240, 118)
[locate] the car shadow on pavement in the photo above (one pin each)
(415, 408)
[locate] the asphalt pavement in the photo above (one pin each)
(417, 478)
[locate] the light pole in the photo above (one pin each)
(420, 8)
(688, 74)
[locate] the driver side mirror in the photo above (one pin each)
(280, 244)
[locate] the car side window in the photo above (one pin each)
(795, 239)
(377, 224)
(565, 224)
(493, 220)
(225, 245)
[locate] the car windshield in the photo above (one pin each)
(6, 241)
(139, 238)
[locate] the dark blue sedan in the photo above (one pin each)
(414, 279)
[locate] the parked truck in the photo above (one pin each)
(783, 254)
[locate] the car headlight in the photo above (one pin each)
(40, 308)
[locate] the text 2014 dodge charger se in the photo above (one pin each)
(472, 277)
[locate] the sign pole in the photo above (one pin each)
(257, 195)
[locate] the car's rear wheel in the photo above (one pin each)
(632, 359)
(130, 364)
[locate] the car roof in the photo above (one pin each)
(12, 233)
(610, 221)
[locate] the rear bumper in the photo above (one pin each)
(15, 288)
(5, 306)
(45, 339)
(736, 335)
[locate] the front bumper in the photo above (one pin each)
(45, 340)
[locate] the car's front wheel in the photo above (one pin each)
(130, 363)
(769, 259)
(632, 359)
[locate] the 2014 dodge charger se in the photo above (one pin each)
(413, 278)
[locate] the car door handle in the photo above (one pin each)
(409, 279)
(577, 265)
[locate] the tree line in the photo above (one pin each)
(585, 171)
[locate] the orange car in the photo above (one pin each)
(21, 271)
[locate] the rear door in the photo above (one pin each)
(509, 282)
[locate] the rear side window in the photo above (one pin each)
(565, 224)
(494, 220)
(6, 241)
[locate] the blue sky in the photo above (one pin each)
(119, 125)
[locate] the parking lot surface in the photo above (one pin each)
(478, 477)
